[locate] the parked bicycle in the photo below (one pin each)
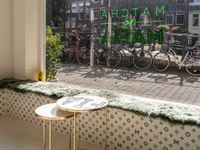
(140, 58)
(191, 60)
(100, 55)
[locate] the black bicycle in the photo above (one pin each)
(101, 54)
(140, 58)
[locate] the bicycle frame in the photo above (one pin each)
(180, 63)
(122, 49)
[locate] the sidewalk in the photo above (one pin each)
(173, 85)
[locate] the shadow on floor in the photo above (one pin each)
(173, 76)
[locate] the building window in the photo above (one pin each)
(87, 4)
(102, 9)
(87, 10)
(170, 19)
(180, 1)
(87, 15)
(195, 20)
(81, 6)
(180, 18)
(73, 22)
(81, 16)
(81, 10)
(96, 13)
(75, 7)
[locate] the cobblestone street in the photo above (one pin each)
(173, 85)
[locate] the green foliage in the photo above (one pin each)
(54, 51)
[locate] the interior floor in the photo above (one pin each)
(20, 135)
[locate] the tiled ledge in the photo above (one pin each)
(125, 130)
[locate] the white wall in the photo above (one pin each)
(18, 38)
(27, 30)
(6, 56)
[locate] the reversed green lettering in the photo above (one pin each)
(125, 13)
(160, 10)
(115, 13)
(104, 14)
(139, 38)
(146, 12)
(158, 36)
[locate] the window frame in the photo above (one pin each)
(193, 20)
(98, 11)
(183, 13)
(171, 14)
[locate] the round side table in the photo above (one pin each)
(81, 104)
(48, 113)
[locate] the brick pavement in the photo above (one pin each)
(174, 85)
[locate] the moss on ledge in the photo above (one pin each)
(173, 112)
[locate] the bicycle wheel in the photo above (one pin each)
(113, 58)
(83, 56)
(69, 56)
(161, 61)
(142, 59)
(100, 56)
(192, 65)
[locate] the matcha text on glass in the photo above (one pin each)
(116, 13)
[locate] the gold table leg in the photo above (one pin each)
(44, 135)
(106, 128)
(70, 136)
(50, 136)
(75, 131)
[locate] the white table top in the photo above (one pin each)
(52, 112)
(82, 103)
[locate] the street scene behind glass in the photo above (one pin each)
(129, 42)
